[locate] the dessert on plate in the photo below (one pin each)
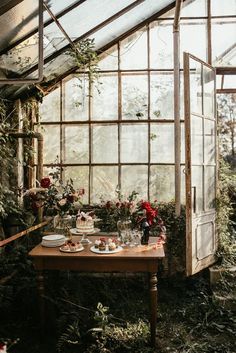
(71, 246)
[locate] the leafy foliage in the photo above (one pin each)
(8, 160)
(226, 209)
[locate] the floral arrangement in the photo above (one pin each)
(53, 195)
(148, 213)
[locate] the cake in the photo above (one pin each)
(84, 223)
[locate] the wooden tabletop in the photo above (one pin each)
(150, 251)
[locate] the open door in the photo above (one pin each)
(201, 160)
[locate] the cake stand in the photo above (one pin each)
(84, 239)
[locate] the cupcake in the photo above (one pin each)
(65, 247)
(73, 247)
(97, 243)
(111, 246)
(78, 245)
(102, 246)
(116, 242)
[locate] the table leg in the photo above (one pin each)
(153, 307)
(40, 278)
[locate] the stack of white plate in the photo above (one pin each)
(53, 240)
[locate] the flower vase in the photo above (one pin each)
(124, 230)
(62, 224)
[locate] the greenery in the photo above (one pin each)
(86, 59)
(190, 319)
(226, 211)
(8, 162)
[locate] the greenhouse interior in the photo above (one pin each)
(118, 176)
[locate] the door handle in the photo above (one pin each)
(194, 198)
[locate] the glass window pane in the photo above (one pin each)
(49, 110)
(222, 8)
(196, 42)
(105, 98)
(161, 45)
(161, 96)
(162, 143)
(223, 46)
(162, 183)
(80, 177)
(76, 144)
(134, 178)
(109, 59)
(229, 81)
(76, 98)
(197, 183)
(209, 92)
(196, 140)
(209, 142)
(104, 183)
(195, 87)
(104, 144)
(134, 96)
(134, 143)
(51, 135)
(133, 51)
(210, 186)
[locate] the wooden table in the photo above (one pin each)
(138, 259)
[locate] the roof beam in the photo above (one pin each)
(47, 23)
(8, 6)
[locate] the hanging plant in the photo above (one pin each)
(86, 58)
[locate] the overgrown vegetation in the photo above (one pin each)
(190, 319)
(226, 211)
(8, 162)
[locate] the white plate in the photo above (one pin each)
(53, 237)
(76, 232)
(97, 251)
(71, 251)
(54, 245)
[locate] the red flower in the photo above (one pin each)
(150, 212)
(45, 183)
(2, 346)
(70, 198)
(108, 204)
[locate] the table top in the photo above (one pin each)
(147, 252)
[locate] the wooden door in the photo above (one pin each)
(201, 163)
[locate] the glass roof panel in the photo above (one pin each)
(20, 58)
(58, 66)
(18, 22)
(25, 55)
(89, 15)
(64, 62)
(57, 6)
(127, 21)
(190, 8)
